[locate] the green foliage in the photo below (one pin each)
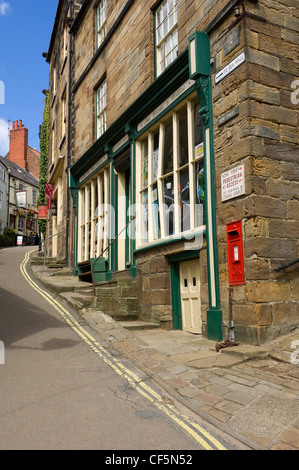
(8, 237)
(44, 150)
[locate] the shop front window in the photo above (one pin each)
(93, 217)
(170, 190)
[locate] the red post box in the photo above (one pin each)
(235, 253)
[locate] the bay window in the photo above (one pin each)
(170, 188)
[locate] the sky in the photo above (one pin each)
(25, 33)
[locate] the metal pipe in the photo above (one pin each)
(51, 236)
(287, 265)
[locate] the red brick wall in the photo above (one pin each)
(33, 161)
(18, 144)
(19, 152)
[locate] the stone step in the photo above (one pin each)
(76, 301)
(138, 325)
(62, 272)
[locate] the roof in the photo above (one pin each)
(16, 171)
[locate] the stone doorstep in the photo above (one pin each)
(138, 325)
(246, 352)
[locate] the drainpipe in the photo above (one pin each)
(69, 141)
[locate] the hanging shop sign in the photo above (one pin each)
(21, 197)
(49, 195)
(233, 65)
(233, 183)
(42, 212)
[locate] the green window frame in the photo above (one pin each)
(170, 185)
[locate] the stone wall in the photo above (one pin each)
(264, 137)
(154, 283)
(127, 65)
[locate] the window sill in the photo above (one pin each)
(62, 142)
(53, 100)
(186, 237)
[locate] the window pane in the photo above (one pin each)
(168, 191)
(184, 199)
(144, 150)
(198, 129)
(155, 155)
(144, 223)
(168, 147)
(155, 213)
(199, 194)
(183, 136)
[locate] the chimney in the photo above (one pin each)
(18, 144)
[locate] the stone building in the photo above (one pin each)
(183, 160)
(59, 57)
(19, 170)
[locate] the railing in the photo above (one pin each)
(51, 236)
(287, 265)
(107, 247)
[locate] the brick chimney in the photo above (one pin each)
(18, 144)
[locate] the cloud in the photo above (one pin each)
(4, 139)
(4, 7)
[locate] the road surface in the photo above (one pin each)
(59, 389)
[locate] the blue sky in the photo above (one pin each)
(25, 32)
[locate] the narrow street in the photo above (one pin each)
(58, 394)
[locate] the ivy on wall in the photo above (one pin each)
(43, 164)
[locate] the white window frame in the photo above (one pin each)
(93, 216)
(166, 34)
(63, 114)
(146, 186)
(101, 113)
(65, 42)
(53, 130)
(1, 199)
(34, 197)
(101, 22)
(54, 82)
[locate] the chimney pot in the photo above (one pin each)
(20, 123)
(13, 124)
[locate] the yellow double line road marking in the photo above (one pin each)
(198, 433)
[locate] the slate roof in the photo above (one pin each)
(18, 172)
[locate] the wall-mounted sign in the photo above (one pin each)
(227, 116)
(231, 41)
(163, 106)
(233, 183)
(230, 67)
